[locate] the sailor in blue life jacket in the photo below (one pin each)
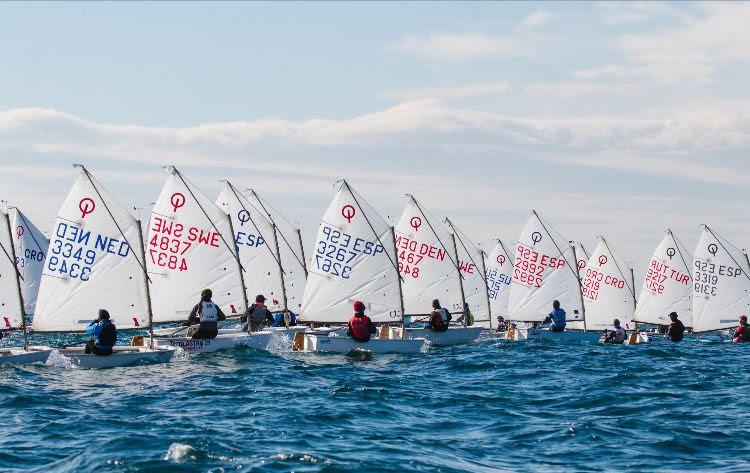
(616, 335)
(556, 318)
(439, 318)
(106, 335)
(284, 319)
(208, 315)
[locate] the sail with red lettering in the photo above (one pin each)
(582, 257)
(543, 271)
(254, 237)
(31, 249)
(190, 248)
(93, 262)
(607, 289)
(291, 250)
(721, 283)
(667, 285)
(427, 262)
(10, 305)
(499, 266)
(471, 262)
(353, 261)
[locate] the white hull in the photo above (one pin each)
(634, 338)
(227, 339)
(324, 343)
(122, 356)
(516, 335)
(20, 356)
(452, 336)
(573, 335)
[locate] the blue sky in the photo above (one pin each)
(619, 119)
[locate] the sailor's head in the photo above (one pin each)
(673, 316)
(260, 299)
(617, 322)
(103, 314)
(435, 304)
(500, 318)
(359, 307)
(743, 319)
(206, 295)
(555, 305)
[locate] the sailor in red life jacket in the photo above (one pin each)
(439, 318)
(360, 325)
(742, 332)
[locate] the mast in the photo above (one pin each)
(460, 279)
(580, 288)
(148, 289)
(400, 291)
(302, 249)
(487, 287)
(240, 268)
(483, 274)
(18, 284)
(281, 267)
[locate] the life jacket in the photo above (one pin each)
(742, 334)
(107, 336)
(619, 335)
(439, 320)
(360, 328)
(444, 315)
(209, 314)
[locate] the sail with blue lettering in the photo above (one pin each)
(721, 283)
(667, 285)
(10, 305)
(544, 270)
(353, 260)
(254, 237)
(499, 266)
(607, 289)
(471, 262)
(31, 249)
(93, 263)
(190, 248)
(292, 253)
(427, 261)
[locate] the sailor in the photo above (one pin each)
(208, 315)
(742, 333)
(360, 326)
(556, 318)
(258, 314)
(106, 335)
(676, 329)
(284, 319)
(466, 315)
(502, 324)
(616, 335)
(439, 318)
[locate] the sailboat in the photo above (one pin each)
(431, 269)
(12, 311)
(721, 283)
(544, 270)
(667, 285)
(191, 248)
(96, 260)
(499, 273)
(31, 247)
(354, 260)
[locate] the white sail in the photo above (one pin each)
(254, 237)
(189, 249)
(607, 289)
(582, 257)
(353, 260)
(290, 247)
(94, 262)
(499, 266)
(10, 306)
(427, 262)
(31, 249)
(471, 262)
(721, 283)
(667, 285)
(543, 271)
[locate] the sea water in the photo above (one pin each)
(539, 405)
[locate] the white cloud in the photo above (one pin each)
(610, 70)
(568, 90)
(620, 13)
(537, 19)
(447, 92)
(456, 47)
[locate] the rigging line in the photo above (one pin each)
(395, 266)
(458, 233)
(677, 244)
(575, 271)
(504, 249)
(235, 254)
(283, 237)
(265, 240)
(624, 279)
(730, 254)
(91, 181)
(26, 223)
(436, 236)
